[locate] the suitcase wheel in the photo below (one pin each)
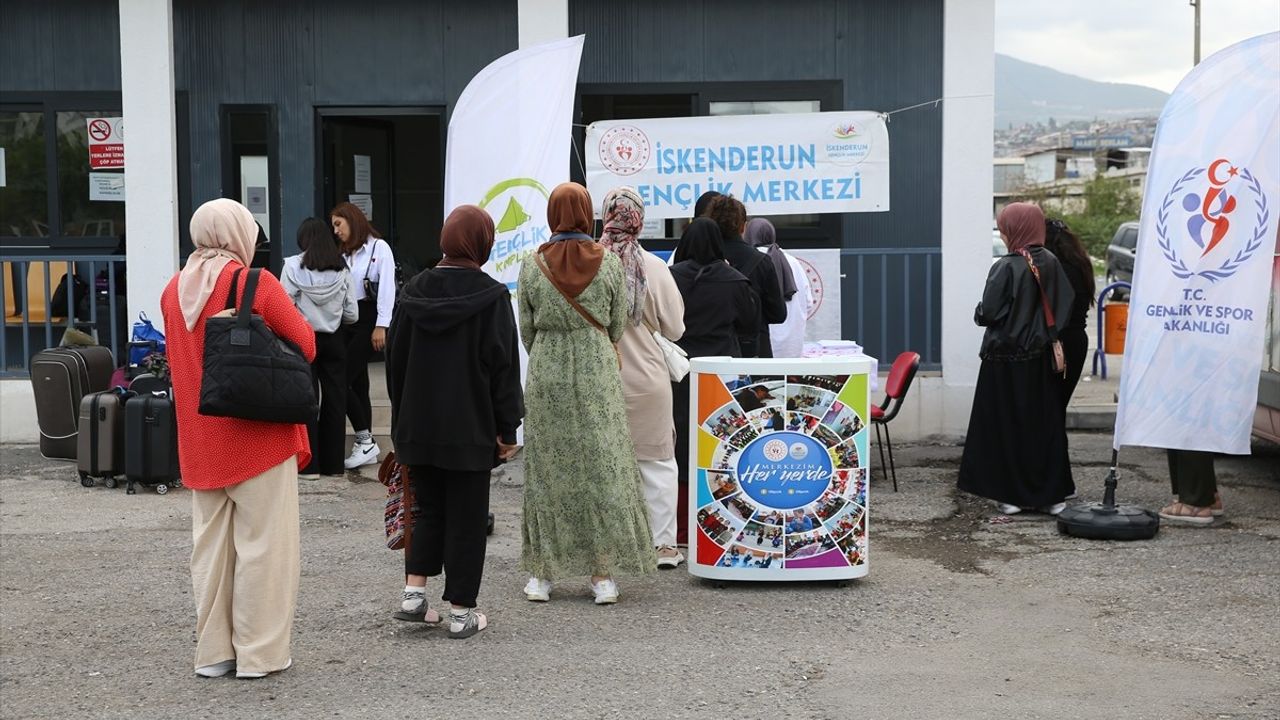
(110, 482)
(161, 489)
(85, 480)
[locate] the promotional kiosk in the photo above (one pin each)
(779, 469)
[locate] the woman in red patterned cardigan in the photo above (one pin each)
(243, 473)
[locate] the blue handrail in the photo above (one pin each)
(1100, 357)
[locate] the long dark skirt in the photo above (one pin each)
(1016, 449)
(1075, 346)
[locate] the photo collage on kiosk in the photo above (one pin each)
(742, 528)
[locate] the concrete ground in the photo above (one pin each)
(958, 618)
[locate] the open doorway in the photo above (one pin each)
(390, 163)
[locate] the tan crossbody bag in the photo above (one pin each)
(546, 271)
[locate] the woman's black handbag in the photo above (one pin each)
(249, 371)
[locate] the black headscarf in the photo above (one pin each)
(704, 203)
(760, 233)
(700, 242)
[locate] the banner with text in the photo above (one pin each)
(509, 143)
(1205, 246)
(832, 162)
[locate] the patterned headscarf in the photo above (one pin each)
(623, 215)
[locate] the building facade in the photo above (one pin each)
(292, 106)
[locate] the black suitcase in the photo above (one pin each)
(60, 378)
(100, 446)
(147, 384)
(151, 443)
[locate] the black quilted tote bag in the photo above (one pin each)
(250, 372)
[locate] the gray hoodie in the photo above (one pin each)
(326, 298)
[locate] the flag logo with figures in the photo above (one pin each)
(1204, 217)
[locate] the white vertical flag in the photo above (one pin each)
(509, 142)
(1205, 250)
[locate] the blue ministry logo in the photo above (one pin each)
(784, 470)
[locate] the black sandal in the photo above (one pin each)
(472, 623)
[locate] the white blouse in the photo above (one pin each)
(375, 261)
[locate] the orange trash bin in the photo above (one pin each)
(1115, 325)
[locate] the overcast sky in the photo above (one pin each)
(1148, 42)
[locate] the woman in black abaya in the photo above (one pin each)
(1016, 449)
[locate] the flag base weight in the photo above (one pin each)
(1107, 520)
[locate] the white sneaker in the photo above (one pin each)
(538, 590)
(216, 669)
(606, 592)
(1054, 509)
(362, 453)
(255, 674)
(308, 476)
(1007, 509)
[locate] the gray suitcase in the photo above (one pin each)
(60, 378)
(100, 444)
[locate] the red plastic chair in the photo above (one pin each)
(901, 374)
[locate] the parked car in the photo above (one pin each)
(998, 250)
(1120, 253)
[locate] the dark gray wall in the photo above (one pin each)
(68, 45)
(300, 54)
(303, 54)
(887, 54)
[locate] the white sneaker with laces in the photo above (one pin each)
(1008, 509)
(538, 590)
(606, 592)
(362, 453)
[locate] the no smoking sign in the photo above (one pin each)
(106, 143)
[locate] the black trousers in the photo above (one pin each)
(359, 349)
(1192, 476)
(680, 416)
(328, 430)
(451, 528)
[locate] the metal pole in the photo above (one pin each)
(1196, 4)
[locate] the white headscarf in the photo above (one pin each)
(222, 230)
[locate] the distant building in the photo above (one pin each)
(1045, 166)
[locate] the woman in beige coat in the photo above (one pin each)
(653, 304)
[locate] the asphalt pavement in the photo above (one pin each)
(959, 617)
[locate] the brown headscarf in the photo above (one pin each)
(222, 230)
(466, 238)
(573, 261)
(1022, 225)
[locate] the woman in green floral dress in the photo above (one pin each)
(583, 509)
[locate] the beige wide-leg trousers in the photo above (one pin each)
(244, 569)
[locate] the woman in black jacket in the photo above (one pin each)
(453, 376)
(1073, 330)
(719, 306)
(1015, 451)
(731, 217)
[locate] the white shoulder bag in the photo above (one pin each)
(676, 358)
